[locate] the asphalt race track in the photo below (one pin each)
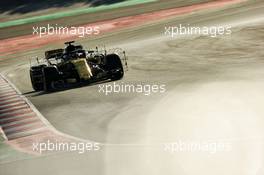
(214, 90)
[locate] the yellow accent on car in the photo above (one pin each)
(83, 68)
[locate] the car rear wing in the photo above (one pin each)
(57, 53)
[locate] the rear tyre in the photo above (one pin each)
(114, 65)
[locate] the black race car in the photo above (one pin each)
(74, 65)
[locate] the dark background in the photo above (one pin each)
(26, 6)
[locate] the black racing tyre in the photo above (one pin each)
(114, 65)
(50, 75)
(36, 77)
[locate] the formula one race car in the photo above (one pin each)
(73, 65)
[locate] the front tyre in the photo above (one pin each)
(50, 74)
(114, 65)
(36, 77)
